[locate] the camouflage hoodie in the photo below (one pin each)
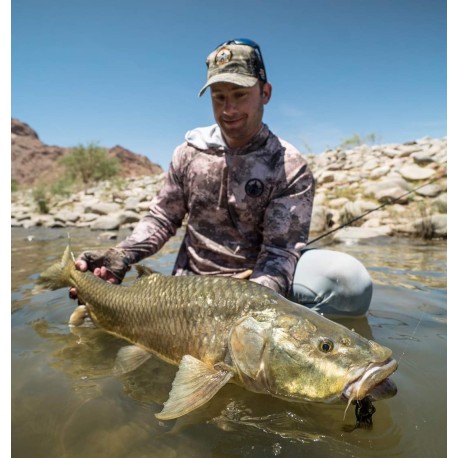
(247, 208)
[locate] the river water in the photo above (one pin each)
(65, 401)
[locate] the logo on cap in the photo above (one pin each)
(223, 56)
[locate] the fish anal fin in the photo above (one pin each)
(130, 358)
(194, 385)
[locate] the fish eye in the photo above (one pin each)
(326, 346)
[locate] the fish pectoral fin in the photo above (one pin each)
(194, 385)
(78, 316)
(129, 358)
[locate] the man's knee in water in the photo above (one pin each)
(332, 282)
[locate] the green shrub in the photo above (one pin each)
(425, 227)
(441, 206)
(62, 187)
(41, 197)
(357, 140)
(90, 164)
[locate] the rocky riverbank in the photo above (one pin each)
(349, 183)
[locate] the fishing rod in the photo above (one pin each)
(440, 174)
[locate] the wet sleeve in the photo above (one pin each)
(286, 228)
(165, 216)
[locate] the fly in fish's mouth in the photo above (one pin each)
(372, 381)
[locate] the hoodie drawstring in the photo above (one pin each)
(222, 187)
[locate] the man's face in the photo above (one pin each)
(238, 110)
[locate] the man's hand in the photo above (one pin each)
(101, 272)
(110, 265)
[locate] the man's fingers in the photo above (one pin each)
(109, 276)
(73, 293)
(101, 272)
(105, 274)
(81, 265)
(98, 272)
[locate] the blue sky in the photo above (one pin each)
(128, 72)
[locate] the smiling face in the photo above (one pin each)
(238, 110)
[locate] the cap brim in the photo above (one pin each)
(234, 78)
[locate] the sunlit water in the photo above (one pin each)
(67, 403)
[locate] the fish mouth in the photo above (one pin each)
(374, 375)
(384, 390)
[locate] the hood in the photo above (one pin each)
(204, 138)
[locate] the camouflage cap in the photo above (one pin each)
(235, 62)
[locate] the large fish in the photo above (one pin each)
(220, 330)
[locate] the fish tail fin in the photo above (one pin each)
(58, 275)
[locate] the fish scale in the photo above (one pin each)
(169, 323)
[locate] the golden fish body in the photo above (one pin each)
(220, 329)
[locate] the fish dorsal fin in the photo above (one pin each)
(143, 271)
(129, 358)
(67, 257)
(194, 385)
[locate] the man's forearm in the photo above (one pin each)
(148, 237)
(275, 269)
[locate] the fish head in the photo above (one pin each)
(307, 357)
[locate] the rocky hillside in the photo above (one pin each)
(400, 188)
(33, 162)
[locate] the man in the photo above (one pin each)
(246, 193)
